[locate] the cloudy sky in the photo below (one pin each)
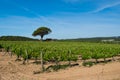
(66, 18)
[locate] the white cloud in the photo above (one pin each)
(103, 7)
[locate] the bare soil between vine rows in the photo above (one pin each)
(12, 70)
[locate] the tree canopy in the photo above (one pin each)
(41, 31)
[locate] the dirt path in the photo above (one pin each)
(11, 70)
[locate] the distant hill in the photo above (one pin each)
(96, 39)
(16, 38)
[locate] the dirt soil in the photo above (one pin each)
(12, 70)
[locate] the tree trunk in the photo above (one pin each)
(41, 37)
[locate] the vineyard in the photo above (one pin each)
(59, 52)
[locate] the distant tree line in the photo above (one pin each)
(95, 39)
(16, 38)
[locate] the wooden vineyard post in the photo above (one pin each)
(42, 65)
(26, 55)
(11, 53)
(69, 56)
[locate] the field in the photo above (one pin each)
(22, 60)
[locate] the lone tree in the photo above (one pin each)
(41, 31)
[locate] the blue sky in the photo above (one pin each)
(66, 18)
